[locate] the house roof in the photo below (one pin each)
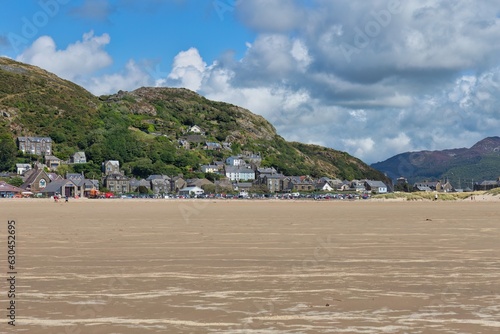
(33, 176)
(7, 188)
(91, 183)
(268, 170)
(376, 184)
(246, 185)
(198, 182)
(300, 179)
(489, 183)
(274, 176)
(56, 186)
(35, 139)
(113, 162)
(323, 183)
(74, 176)
(52, 157)
(54, 176)
(137, 183)
(239, 169)
(426, 184)
(158, 177)
(195, 128)
(324, 179)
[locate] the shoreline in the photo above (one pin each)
(477, 198)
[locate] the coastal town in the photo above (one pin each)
(238, 175)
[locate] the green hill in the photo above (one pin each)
(142, 129)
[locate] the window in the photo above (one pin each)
(42, 184)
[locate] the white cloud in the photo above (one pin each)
(405, 89)
(129, 79)
(188, 69)
(301, 54)
(78, 60)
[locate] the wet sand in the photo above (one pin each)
(126, 266)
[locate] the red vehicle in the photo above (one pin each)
(109, 195)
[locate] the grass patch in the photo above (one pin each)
(494, 192)
(429, 196)
(397, 195)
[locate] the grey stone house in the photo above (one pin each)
(78, 158)
(111, 167)
(160, 184)
(35, 145)
(117, 183)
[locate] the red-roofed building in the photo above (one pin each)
(7, 190)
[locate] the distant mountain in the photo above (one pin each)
(142, 128)
(461, 166)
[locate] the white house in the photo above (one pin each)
(376, 186)
(324, 186)
(188, 191)
(195, 129)
(210, 169)
(22, 168)
(235, 161)
(78, 158)
(239, 173)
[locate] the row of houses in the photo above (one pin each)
(53, 162)
(37, 181)
(487, 185)
(446, 186)
(244, 169)
(241, 168)
(238, 175)
(238, 172)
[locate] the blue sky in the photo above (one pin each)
(373, 78)
(141, 30)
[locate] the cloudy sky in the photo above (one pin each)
(373, 78)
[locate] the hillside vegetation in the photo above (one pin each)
(142, 129)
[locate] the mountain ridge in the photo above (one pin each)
(480, 162)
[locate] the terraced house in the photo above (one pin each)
(35, 145)
(237, 173)
(117, 183)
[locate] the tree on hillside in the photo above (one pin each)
(15, 181)
(8, 152)
(91, 170)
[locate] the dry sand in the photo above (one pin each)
(127, 266)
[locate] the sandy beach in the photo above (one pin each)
(164, 266)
